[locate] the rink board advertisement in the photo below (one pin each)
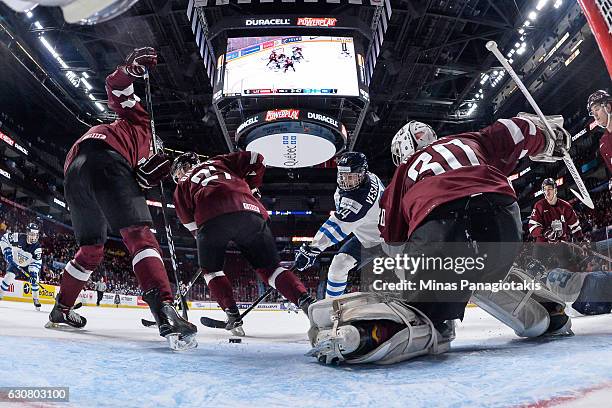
(22, 292)
(290, 65)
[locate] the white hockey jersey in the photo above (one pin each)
(357, 212)
(26, 256)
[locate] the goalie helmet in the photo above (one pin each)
(79, 11)
(352, 170)
(411, 137)
(32, 233)
(183, 164)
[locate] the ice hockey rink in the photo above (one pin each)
(116, 362)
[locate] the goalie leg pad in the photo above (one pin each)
(334, 337)
(521, 311)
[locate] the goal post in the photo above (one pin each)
(599, 16)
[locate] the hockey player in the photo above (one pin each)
(23, 255)
(288, 64)
(553, 220)
(272, 58)
(297, 54)
(105, 173)
(357, 212)
(78, 11)
(214, 201)
(599, 106)
(449, 198)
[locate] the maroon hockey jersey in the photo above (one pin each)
(544, 214)
(605, 149)
(454, 167)
(218, 186)
(130, 135)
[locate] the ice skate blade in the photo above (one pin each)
(186, 343)
(51, 325)
(61, 326)
(238, 331)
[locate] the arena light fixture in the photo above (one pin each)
(532, 15)
(85, 75)
(38, 25)
(541, 4)
(558, 4)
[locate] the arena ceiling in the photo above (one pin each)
(429, 68)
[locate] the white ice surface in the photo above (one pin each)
(116, 362)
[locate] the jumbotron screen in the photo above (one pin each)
(281, 65)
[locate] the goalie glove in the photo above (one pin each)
(556, 144)
(153, 171)
(140, 60)
(306, 257)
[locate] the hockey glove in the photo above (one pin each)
(153, 171)
(551, 235)
(8, 257)
(140, 60)
(556, 144)
(306, 257)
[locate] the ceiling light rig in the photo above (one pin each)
(490, 80)
(71, 76)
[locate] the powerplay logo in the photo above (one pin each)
(282, 114)
(317, 21)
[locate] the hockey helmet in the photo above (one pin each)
(352, 170)
(32, 233)
(79, 11)
(411, 137)
(549, 182)
(600, 100)
(183, 164)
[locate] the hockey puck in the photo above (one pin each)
(235, 340)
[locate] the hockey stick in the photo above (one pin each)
(584, 193)
(220, 324)
(156, 149)
(150, 323)
(594, 253)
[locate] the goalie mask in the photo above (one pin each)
(411, 137)
(183, 164)
(599, 107)
(352, 170)
(79, 11)
(32, 233)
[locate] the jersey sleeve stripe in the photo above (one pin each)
(513, 129)
(336, 227)
(532, 228)
(329, 235)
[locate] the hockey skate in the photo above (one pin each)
(180, 333)
(234, 322)
(61, 314)
(304, 302)
(36, 304)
